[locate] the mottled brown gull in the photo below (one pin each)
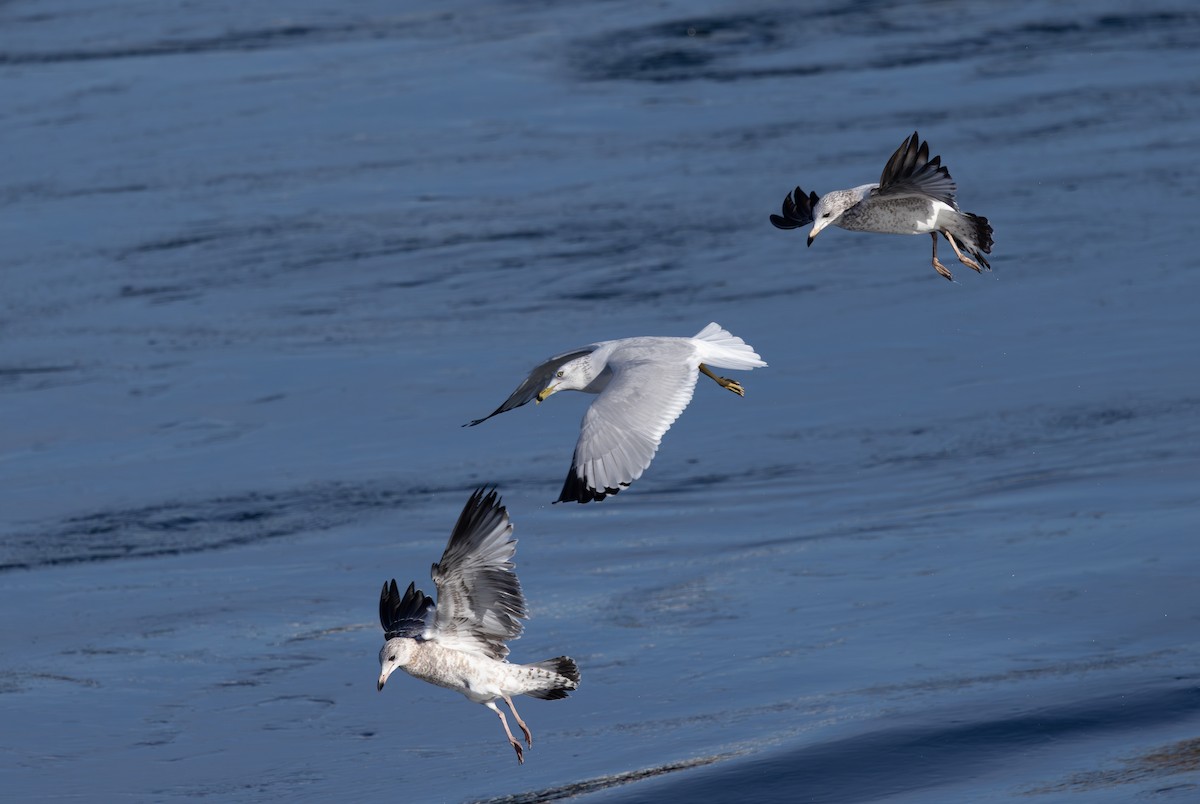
(458, 642)
(644, 384)
(915, 195)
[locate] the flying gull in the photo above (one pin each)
(915, 195)
(458, 642)
(644, 384)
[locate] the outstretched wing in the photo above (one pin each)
(622, 429)
(910, 172)
(797, 210)
(406, 616)
(479, 599)
(538, 379)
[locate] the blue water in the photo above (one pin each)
(261, 261)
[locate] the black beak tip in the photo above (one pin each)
(379, 687)
(810, 239)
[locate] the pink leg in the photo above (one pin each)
(967, 261)
(937, 264)
(521, 723)
(511, 740)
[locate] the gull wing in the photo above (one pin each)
(622, 429)
(538, 379)
(407, 616)
(910, 172)
(797, 210)
(479, 600)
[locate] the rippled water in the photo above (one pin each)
(262, 261)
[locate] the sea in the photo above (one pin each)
(260, 262)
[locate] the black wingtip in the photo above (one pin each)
(797, 210)
(484, 501)
(782, 223)
(576, 489)
(402, 616)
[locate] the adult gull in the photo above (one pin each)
(458, 642)
(643, 385)
(915, 195)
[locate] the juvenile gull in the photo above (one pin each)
(458, 642)
(644, 384)
(915, 195)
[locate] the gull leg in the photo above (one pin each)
(511, 740)
(521, 723)
(724, 382)
(937, 264)
(965, 260)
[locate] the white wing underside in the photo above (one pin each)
(622, 429)
(479, 600)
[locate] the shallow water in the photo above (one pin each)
(261, 263)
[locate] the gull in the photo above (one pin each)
(644, 384)
(458, 642)
(915, 195)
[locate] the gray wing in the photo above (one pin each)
(479, 600)
(408, 616)
(797, 210)
(622, 429)
(910, 172)
(538, 379)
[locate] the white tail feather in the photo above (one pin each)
(723, 349)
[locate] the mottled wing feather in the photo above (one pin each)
(408, 616)
(910, 172)
(797, 210)
(622, 429)
(479, 600)
(537, 380)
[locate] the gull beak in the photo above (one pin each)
(545, 392)
(816, 229)
(382, 680)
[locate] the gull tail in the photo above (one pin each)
(723, 349)
(555, 677)
(972, 231)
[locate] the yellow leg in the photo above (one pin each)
(724, 382)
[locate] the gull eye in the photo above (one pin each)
(559, 374)
(392, 658)
(826, 215)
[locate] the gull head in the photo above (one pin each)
(394, 654)
(830, 208)
(574, 375)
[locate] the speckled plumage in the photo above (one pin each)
(914, 195)
(458, 641)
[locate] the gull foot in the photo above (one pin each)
(520, 753)
(724, 382)
(970, 263)
(941, 269)
(731, 385)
